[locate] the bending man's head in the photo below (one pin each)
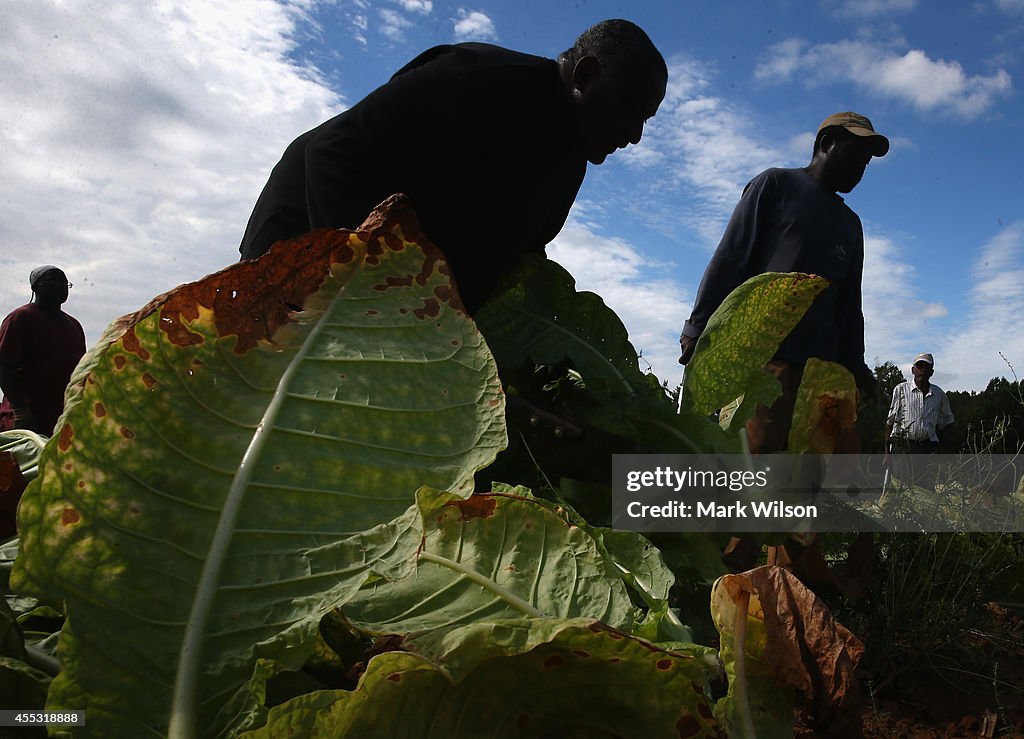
(617, 79)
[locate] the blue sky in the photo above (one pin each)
(137, 136)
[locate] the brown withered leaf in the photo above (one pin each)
(810, 650)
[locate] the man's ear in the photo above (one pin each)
(829, 141)
(586, 71)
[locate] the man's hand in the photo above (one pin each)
(686, 347)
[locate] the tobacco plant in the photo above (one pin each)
(296, 444)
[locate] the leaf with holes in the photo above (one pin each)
(230, 461)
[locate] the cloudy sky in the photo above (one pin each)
(137, 135)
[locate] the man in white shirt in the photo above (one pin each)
(919, 410)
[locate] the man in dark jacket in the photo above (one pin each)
(490, 145)
(794, 220)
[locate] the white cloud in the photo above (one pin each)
(473, 25)
(873, 8)
(143, 135)
(896, 320)
(423, 7)
(650, 305)
(360, 24)
(1010, 6)
(913, 77)
(704, 144)
(785, 59)
(992, 324)
(393, 24)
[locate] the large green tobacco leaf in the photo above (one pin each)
(490, 557)
(541, 319)
(228, 460)
(642, 568)
(741, 336)
(529, 678)
(636, 561)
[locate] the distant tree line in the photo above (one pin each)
(994, 416)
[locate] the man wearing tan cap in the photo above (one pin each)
(919, 410)
(794, 220)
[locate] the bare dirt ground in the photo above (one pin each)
(978, 691)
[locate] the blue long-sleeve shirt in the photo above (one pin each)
(786, 221)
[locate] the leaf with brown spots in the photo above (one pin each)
(753, 700)
(538, 676)
(240, 454)
(741, 336)
(475, 506)
(825, 414)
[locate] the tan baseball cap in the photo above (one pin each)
(858, 125)
(925, 358)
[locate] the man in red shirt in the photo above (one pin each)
(40, 345)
